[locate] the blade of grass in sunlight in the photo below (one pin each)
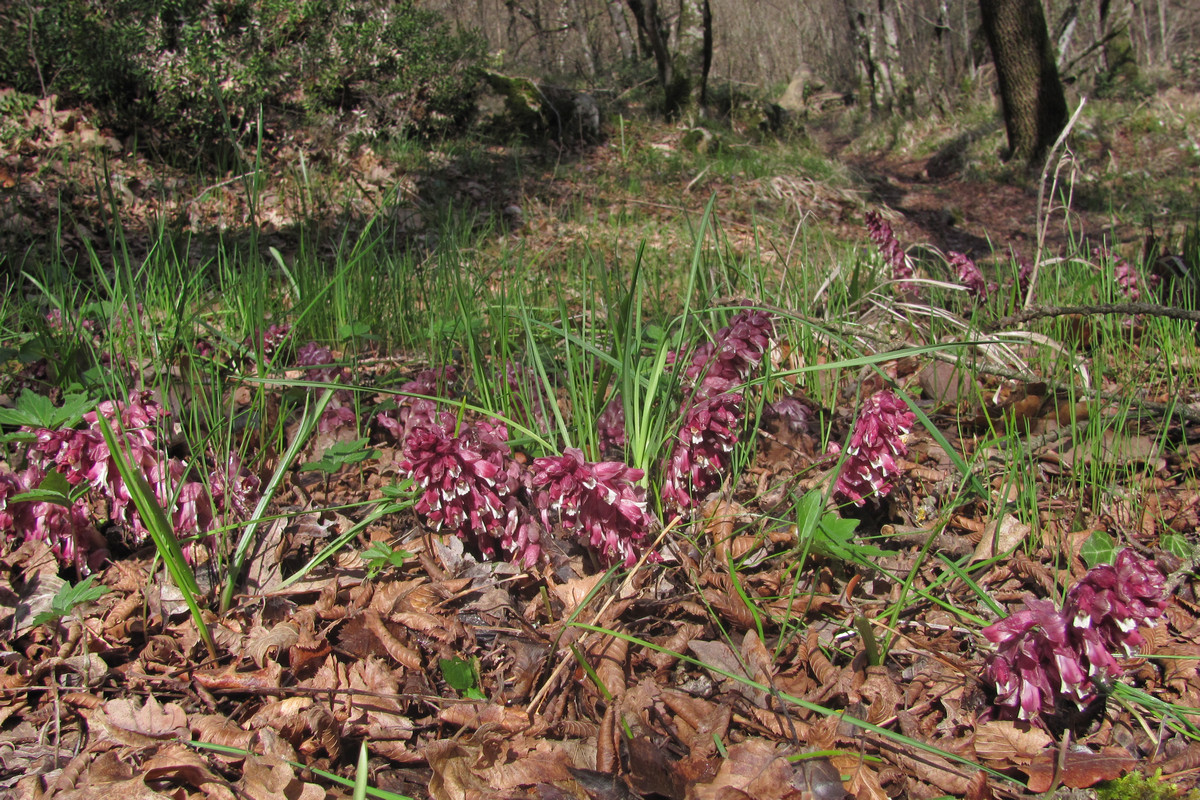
(238, 752)
(237, 562)
(161, 531)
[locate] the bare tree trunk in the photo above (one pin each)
(1116, 17)
(1065, 30)
(861, 36)
(578, 20)
(887, 49)
(1035, 108)
(616, 13)
(683, 56)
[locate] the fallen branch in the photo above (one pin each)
(1041, 312)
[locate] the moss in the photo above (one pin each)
(1136, 786)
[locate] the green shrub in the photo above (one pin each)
(188, 68)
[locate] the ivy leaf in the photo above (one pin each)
(1098, 549)
(1176, 545)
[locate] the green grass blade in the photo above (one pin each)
(161, 531)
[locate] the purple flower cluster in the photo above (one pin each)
(726, 362)
(600, 500)
(412, 412)
(610, 425)
(466, 475)
(316, 359)
(270, 340)
(1128, 280)
(791, 412)
(703, 449)
(877, 440)
(471, 485)
(82, 457)
(970, 276)
(70, 533)
(713, 411)
(893, 254)
(1045, 654)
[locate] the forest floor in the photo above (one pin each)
(771, 647)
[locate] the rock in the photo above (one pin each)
(802, 87)
(545, 111)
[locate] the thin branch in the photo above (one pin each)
(1041, 312)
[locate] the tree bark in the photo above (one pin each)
(1116, 17)
(683, 55)
(577, 19)
(621, 30)
(1035, 108)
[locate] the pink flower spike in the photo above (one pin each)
(601, 501)
(877, 440)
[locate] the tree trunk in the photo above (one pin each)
(1035, 108)
(621, 30)
(683, 55)
(1116, 17)
(577, 19)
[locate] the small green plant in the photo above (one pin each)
(463, 677)
(380, 556)
(70, 597)
(33, 410)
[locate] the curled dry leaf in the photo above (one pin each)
(269, 778)
(220, 729)
(476, 715)
(609, 655)
(263, 645)
(176, 762)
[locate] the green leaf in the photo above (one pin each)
(69, 597)
(462, 677)
(53, 489)
(36, 411)
(1098, 549)
(340, 454)
(353, 330)
(380, 555)
(1177, 545)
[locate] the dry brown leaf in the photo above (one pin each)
(179, 763)
(229, 679)
(220, 729)
(1079, 770)
(401, 653)
(1010, 742)
(609, 656)
(477, 715)
(754, 769)
(1001, 537)
(263, 645)
(573, 592)
(132, 789)
(148, 719)
(270, 778)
